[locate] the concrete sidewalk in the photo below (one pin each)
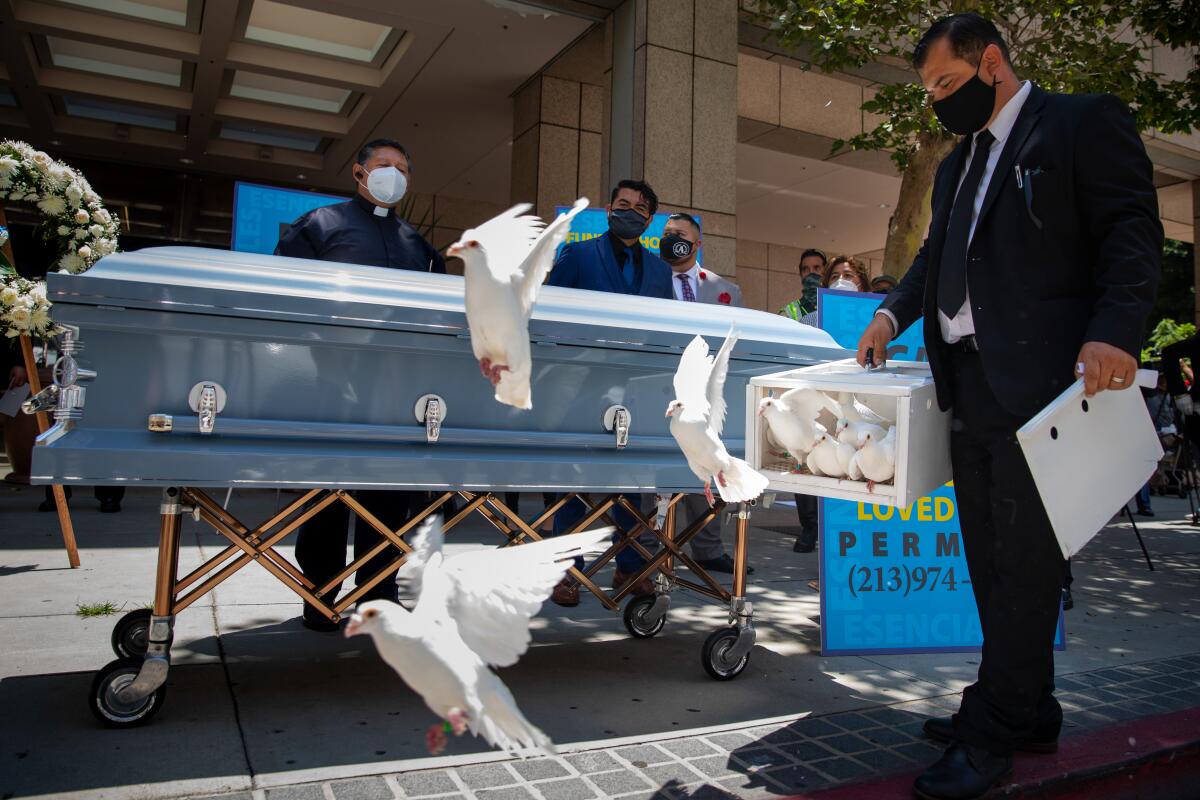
(258, 706)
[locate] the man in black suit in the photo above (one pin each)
(1041, 263)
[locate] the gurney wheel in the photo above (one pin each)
(131, 634)
(109, 709)
(635, 618)
(713, 655)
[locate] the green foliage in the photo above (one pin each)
(1166, 332)
(1069, 46)
(96, 609)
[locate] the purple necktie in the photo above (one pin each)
(688, 294)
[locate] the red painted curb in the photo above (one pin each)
(1148, 757)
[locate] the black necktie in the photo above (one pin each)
(952, 274)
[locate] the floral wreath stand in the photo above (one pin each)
(43, 423)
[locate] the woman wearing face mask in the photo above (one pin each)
(844, 274)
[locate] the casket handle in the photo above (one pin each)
(207, 399)
(430, 410)
(617, 419)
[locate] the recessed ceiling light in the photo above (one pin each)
(885, 205)
(55, 142)
(301, 176)
(186, 161)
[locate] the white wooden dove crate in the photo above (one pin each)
(902, 391)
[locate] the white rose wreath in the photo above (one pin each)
(75, 223)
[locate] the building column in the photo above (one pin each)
(673, 111)
(558, 121)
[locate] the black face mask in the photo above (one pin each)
(674, 248)
(625, 223)
(969, 108)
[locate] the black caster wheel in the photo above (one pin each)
(714, 655)
(131, 634)
(110, 709)
(635, 618)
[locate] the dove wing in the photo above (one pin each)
(496, 592)
(536, 266)
(508, 239)
(716, 383)
(691, 377)
(426, 546)
(809, 402)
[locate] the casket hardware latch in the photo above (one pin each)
(45, 400)
(65, 396)
(430, 410)
(617, 420)
(207, 399)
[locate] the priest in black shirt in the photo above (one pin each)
(364, 230)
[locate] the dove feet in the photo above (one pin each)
(435, 739)
(708, 495)
(494, 375)
(458, 721)
(721, 479)
(485, 368)
(871, 486)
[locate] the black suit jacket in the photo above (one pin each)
(1072, 257)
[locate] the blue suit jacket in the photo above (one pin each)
(590, 265)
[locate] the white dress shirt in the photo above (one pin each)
(963, 324)
(693, 279)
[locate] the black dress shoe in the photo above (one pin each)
(722, 563)
(941, 729)
(963, 773)
(803, 545)
(316, 621)
(109, 506)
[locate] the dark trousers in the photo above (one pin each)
(1016, 570)
(627, 559)
(102, 493)
(511, 499)
(321, 542)
(806, 510)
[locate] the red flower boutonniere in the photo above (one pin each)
(724, 298)
(703, 277)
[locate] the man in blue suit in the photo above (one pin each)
(614, 262)
(617, 262)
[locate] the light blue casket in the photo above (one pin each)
(318, 372)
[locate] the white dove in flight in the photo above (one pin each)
(697, 417)
(875, 459)
(505, 261)
(473, 611)
(792, 419)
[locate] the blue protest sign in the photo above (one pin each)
(845, 315)
(261, 213)
(593, 222)
(893, 580)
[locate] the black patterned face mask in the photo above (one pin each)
(811, 283)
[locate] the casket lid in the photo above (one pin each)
(220, 282)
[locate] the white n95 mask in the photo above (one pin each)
(845, 285)
(387, 184)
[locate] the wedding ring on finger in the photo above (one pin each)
(1116, 379)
